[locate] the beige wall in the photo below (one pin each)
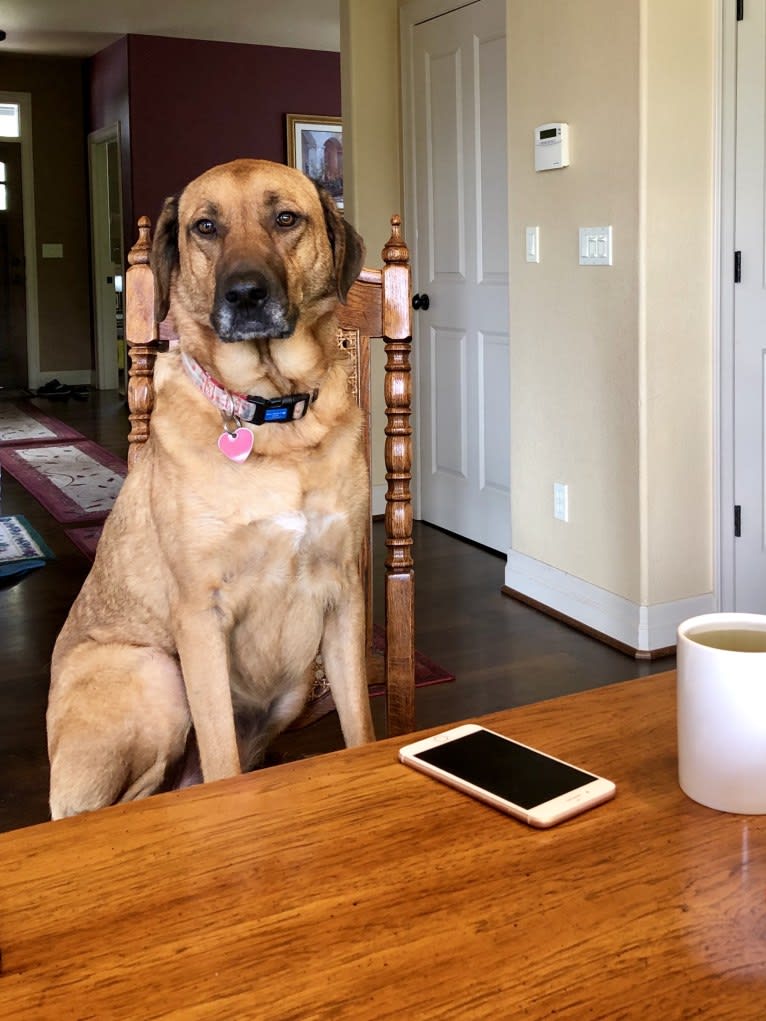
(677, 255)
(574, 356)
(370, 85)
(611, 374)
(611, 366)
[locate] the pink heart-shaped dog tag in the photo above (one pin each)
(237, 445)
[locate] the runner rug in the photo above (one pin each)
(77, 482)
(85, 538)
(22, 423)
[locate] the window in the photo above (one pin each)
(9, 120)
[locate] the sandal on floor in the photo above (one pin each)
(53, 388)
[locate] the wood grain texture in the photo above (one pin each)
(348, 886)
(400, 574)
(142, 336)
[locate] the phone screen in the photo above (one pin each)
(520, 775)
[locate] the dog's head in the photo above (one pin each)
(251, 248)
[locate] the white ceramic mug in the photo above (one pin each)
(721, 669)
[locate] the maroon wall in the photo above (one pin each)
(182, 105)
(108, 88)
(194, 104)
(109, 104)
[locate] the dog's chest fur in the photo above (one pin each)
(291, 557)
(277, 546)
(279, 575)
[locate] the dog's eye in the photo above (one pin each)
(206, 227)
(287, 219)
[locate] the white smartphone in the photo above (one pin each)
(519, 780)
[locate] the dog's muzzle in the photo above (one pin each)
(251, 305)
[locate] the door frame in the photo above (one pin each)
(412, 13)
(725, 135)
(24, 101)
(106, 359)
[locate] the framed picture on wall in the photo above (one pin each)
(315, 146)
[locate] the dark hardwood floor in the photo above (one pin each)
(502, 652)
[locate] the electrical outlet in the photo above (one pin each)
(560, 501)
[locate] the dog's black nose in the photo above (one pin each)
(246, 292)
(249, 304)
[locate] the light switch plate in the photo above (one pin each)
(533, 244)
(561, 501)
(53, 251)
(595, 246)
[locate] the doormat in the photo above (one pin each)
(21, 548)
(426, 671)
(321, 702)
(22, 423)
(76, 482)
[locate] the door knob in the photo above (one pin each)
(421, 301)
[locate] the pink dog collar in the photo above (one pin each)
(248, 407)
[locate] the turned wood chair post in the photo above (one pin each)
(142, 337)
(400, 575)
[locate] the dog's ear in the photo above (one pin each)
(164, 257)
(347, 246)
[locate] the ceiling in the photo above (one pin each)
(80, 28)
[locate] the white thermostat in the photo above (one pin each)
(551, 146)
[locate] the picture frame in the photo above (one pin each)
(315, 146)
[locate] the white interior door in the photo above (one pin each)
(458, 108)
(750, 313)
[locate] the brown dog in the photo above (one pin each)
(221, 573)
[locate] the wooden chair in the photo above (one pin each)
(378, 307)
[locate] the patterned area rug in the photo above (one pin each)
(22, 423)
(21, 548)
(76, 482)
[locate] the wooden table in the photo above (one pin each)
(349, 886)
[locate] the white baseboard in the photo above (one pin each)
(641, 628)
(72, 377)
